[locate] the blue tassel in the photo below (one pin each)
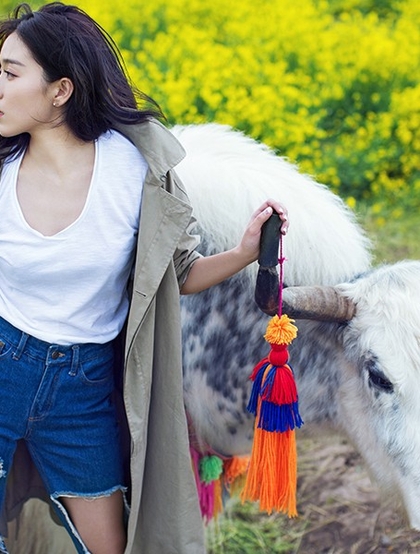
(279, 418)
(256, 389)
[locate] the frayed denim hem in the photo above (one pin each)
(62, 512)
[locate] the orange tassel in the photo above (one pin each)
(272, 473)
(234, 468)
(218, 498)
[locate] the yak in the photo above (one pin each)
(357, 355)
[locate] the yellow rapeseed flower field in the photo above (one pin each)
(332, 85)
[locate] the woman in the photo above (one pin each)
(92, 209)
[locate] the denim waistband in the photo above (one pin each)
(23, 342)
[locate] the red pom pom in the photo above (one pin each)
(278, 355)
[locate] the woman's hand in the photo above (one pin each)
(250, 244)
(211, 270)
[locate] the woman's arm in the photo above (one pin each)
(211, 270)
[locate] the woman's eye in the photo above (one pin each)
(7, 73)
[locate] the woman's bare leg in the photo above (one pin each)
(99, 522)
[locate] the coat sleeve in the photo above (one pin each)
(186, 253)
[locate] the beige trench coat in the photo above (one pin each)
(165, 515)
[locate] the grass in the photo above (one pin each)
(245, 530)
(397, 240)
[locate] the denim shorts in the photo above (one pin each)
(58, 399)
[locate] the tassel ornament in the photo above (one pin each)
(272, 472)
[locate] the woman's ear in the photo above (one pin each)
(63, 89)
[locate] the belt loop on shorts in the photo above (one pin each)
(74, 360)
(19, 350)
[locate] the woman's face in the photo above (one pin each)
(26, 99)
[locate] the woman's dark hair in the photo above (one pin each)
(66, 42)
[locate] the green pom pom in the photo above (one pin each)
(211, 468)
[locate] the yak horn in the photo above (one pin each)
(319, 303)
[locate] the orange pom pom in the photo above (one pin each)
(280, 330)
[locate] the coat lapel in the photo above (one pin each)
(164, 217)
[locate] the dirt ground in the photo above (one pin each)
(342, 510)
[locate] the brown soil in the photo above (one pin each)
(342, 510)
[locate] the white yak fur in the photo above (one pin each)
(228, 175)
(385, 335)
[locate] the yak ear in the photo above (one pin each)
(319, 303)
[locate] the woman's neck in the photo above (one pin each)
(59, 150)
(54, 181)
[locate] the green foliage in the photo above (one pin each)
(6, 7)
(393, 239)
(331, 85)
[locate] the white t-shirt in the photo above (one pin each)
(71, 287)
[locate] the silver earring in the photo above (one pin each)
(55, 104)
